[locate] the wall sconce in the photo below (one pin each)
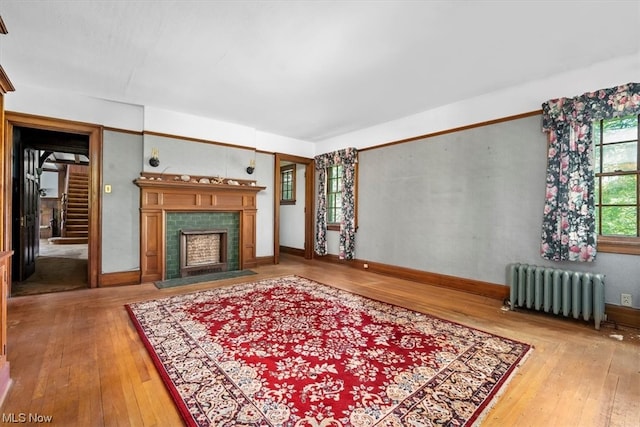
(251, 167)
(154, 161)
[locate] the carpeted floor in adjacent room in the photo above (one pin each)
(58, 268)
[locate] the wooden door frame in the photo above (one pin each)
(309, 202)
(94, 132)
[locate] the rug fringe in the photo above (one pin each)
(503, 385)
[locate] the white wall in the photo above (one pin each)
(279, 144)
(49, 183)
(512, 101)
(292, 216)
(175, 123)
(61, 105)
(265, 169)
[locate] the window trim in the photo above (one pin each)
(283, 170)
(335, 226)
(617, 244)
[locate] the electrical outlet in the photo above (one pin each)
(625, 300)
(365, 265)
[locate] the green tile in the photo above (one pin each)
(205, 220)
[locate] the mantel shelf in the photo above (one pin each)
(154, 183)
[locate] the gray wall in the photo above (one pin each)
(125, 155)
(180, 156)
(122, 159)
(466, 204)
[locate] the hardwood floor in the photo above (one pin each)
(75, 356)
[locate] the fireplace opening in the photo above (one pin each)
(202, 252)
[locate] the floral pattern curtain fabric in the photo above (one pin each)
(348, 158)
(568, 229)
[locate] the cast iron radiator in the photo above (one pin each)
(561, 292)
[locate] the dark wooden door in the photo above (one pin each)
(29, 214)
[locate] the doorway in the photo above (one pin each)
(34, 148)
(287, 214)
(50, 211)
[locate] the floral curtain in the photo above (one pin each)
(348, 158)
(568, 228)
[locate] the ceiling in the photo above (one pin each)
(309, 70)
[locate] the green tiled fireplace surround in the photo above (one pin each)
(177, 221)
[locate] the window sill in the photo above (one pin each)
(619, 245)
(333, 227)
(287, 202)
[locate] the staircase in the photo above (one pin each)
(75, 208)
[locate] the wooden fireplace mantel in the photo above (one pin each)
(157, 197)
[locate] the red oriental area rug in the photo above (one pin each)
(293, 352)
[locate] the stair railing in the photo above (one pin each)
(64, 205)
(63, 215)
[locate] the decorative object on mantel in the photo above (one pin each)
(154, 161)
(181, 179)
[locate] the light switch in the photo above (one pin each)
(107, 188)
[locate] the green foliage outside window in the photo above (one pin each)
(334, 194)
(616, 166)
(288, 185)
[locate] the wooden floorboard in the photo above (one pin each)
(76, 356)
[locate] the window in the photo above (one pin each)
(288, 185)
(334, 196)
(337, 200)
(617, 184)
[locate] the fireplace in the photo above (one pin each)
(220, 222)
(164, 197)
(202, 251)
